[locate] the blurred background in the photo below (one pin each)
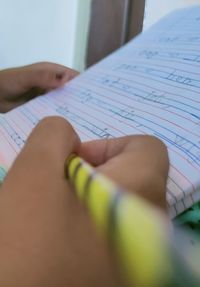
(156, 9)
(63, 31)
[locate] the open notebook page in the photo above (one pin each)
(151, 86)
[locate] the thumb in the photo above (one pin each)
(47, 76)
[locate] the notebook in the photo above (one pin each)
(150, 86)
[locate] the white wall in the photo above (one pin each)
(81, 32)
(156, 9)
(40, 30)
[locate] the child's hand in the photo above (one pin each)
(138, 163)
(18, 85)
(47, 237)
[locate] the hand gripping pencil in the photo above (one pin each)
(128, 222)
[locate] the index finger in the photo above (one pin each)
(137, 163)
(98, 152)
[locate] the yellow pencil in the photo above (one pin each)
(126, 220)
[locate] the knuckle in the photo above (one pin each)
(148, 142)
(54, 122)
(152, 139)
(156, 141)
(53, 133)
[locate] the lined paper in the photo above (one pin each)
(151, 86)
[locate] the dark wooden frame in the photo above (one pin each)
(112, 24)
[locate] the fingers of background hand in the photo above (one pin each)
(47, 76)
(18, 85)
